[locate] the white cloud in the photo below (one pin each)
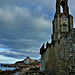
(10, 52)
(8, 60)
(22, 11)
(30, 50)
(6, 15)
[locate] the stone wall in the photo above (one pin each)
(44, 59)
(59, 58)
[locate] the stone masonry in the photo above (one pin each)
(58, 58)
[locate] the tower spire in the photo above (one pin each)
(63, 22)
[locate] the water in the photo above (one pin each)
(6, 68)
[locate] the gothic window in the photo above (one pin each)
(64, 28)
(64, 18)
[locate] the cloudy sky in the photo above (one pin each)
(24, 26)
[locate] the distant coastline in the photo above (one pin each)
(5, 67)
(26, 65)
(6, 63)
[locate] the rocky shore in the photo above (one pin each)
(30, 71)
(33, 70)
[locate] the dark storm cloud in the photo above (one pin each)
(22, 32)
(13, 54)
(25, 25)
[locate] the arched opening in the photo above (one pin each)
(61, 9)
(62, 6)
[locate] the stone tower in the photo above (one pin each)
(58, 57)
(63, 21)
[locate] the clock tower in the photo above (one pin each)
(63, 21)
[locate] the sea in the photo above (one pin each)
(7, 68)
